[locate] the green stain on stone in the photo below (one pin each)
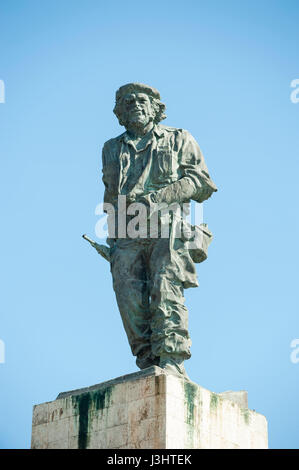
(190, 395)
(83, 404)
(214, 401)
(191, 392)
(101, 398)
(246, 415)
(97, 400)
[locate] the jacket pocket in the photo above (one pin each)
(163, 163)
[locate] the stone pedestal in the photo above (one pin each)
(148, 410)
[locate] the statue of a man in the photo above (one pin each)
(152, 164)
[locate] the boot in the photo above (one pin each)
(173, 365)
(146, 359)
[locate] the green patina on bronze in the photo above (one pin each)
(85, 404)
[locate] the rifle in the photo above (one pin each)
(103, 250)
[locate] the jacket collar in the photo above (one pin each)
(156, 130)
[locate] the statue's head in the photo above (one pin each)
(137, 105)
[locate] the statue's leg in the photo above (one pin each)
(130, 284)
(169, 324)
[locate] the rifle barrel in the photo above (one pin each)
(87, 238)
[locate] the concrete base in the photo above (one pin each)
(148, 410)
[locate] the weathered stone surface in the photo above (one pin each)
(241, 398)
(141, 411)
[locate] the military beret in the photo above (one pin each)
(136, 87)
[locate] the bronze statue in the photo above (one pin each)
(152, 167)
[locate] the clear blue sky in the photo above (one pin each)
(224, 71)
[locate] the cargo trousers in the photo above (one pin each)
(150, 297)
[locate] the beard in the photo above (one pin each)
(137, 121)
